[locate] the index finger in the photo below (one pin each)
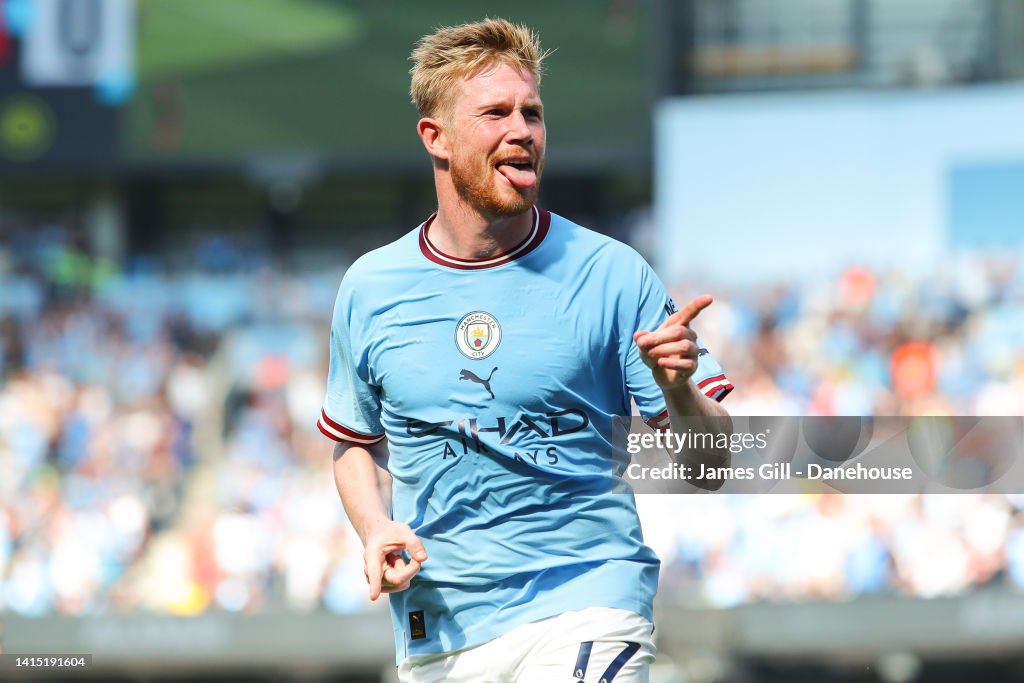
(374, 573)
(686, 314)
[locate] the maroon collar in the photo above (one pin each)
(541, 223)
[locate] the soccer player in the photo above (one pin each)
(476, 364)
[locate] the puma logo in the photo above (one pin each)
(466, 374)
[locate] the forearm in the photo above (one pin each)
(364, 485)
(688, 401)
(691, 411)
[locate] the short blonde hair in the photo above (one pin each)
(451, 53)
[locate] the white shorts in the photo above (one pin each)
(594, 645)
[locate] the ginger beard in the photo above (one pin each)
(482, 186)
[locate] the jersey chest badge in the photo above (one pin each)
(478, 335)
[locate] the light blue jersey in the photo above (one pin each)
(495, 382)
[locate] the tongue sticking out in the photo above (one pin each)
(518, 176)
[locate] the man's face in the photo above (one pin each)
(497, 134)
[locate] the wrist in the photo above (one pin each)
(370, 526)
(681, 393)
(689, 401)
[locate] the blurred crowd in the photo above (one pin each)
(101, 382)
(875, 343)
(736, 549)
(158, 448)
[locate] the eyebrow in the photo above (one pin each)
(530, 104)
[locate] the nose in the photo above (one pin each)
(519, 129)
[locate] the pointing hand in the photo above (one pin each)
(671, 350)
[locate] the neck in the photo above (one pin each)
(463, 232)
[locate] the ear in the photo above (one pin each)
(432, 133)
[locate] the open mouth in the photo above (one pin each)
(519, 171)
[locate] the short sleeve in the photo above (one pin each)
(653, 308)
(351, 409)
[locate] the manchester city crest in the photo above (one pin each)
(478, 335)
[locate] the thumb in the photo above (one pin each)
(414, 546)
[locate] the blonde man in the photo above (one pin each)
(491, 347)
